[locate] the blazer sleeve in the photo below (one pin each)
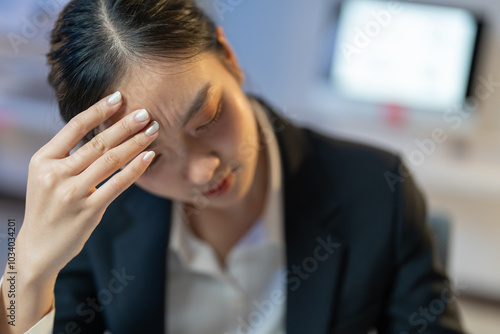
(77, 309)
(422, 299)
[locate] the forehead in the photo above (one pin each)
(165, 89)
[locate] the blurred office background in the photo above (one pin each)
(420, 81)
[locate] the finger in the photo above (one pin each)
(117, 157)
(112, 188)
(78, 127)
(105, 141)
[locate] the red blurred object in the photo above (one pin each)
(395, 115)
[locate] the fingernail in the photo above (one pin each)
(153, 129)
(142, 116)
(149, 156)
(115, 98)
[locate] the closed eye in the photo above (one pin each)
(214, 120)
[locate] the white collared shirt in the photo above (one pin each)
(249, 294)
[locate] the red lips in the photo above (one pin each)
(221, 188)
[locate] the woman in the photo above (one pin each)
(194, 208)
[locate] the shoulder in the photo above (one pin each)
(350, 168)
(350, 154)
(354, 166)
(373, 187)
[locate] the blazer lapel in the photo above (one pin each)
(314, 254)
(144, 296)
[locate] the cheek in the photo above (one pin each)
(248, 140)
(155, 182)
(228, 133)
(238, 132)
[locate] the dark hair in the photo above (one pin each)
(94, 41)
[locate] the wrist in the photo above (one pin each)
(28, 267)
(26, 281)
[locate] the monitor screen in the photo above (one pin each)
(413, 55)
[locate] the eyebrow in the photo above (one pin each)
(198, 103)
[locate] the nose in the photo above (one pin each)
(201, 169)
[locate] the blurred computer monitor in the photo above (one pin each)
(417, 56)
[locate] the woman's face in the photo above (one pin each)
(208, 130)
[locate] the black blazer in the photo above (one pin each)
(358, 250)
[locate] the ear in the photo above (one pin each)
(230, 58)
